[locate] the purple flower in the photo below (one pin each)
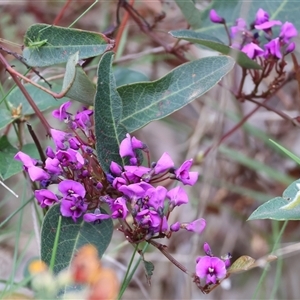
(207, 249)
(25, 159)
(196, 226)
(45, 198)
(183, 174)
(115, 168)
(152, 220)
(175, 227)
(59, 138)
(287, 32)
(261, 17)
(62, 113)
(267, 25)
(49, 152)
(128, 145)
(73, 207)
(156, 196)
(273, 49)
(119, 208)
(240, 25)
(69, 187)
(211, 268)
(53, 166)
(290, 48)
(35, 173)
(97, 215)
(83, 118)
(215, 18)
(177, 196)
(163, 164)
(252, 50)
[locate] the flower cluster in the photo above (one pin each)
(212, 268)
(71, 176)
(249, 39)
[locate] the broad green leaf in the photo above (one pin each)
(231, 10)
(5, 118)
(127, 76)
(282, 208)
(72, 237)
(46, 45)
(10, 166)
(253, 164)
(148, 101)
(215, 44)
(287, 152)
(191, 14)
(42, 99)
(108, 111)
(76, 83)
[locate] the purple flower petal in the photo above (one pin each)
(261, 17)
(164, 163)
(68, 187)
(196, 226)
(62, 113)
(252, 50)
(175, 227)
(214, 17)
(273, 49)
(25, 159)
(177, 196)
(45, 198)
(287, 32)
(37, 174)
(97, 215)
(267, 25)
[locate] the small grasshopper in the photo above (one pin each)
(35, 45)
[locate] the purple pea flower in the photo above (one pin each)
(182, 173)
(163, 164)
(177, 196)
(252, 50)
(267, 25)
(45, 198)
(59, 138)
(273, 49)
(156, 196)
(70, 187)
(73, 207)
(196, 226)
(211, 268)
(287, 32)
(129, 144)
(35, 173)
(215, 18)
(119, 208)
(240, 25)
(175, 227)
(290, 48)
(207, 249)
(62, 113)
(53, 166)
(83, 118)
(115, 168)
(97, 215)
(261, 17)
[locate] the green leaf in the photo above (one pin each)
(215, 44)
(5, 118)
(46, 45)
(253, 164)
(76, 83)
(108, 111)
(287, 152)
(42, 99)
(190, 12)
(72, 237)
(231, 10)
(149, 268)
(281, 208)
(148, 101)
(126, 76)
(10, 166)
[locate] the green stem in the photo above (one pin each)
(55, 245)
(264, 273)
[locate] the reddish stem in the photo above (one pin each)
(61, 13)
(12, 72)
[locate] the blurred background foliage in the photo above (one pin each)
(245, 171)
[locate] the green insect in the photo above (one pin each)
(38, 43)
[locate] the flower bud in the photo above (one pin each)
(215, 18)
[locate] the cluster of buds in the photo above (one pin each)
(248, 39)
(71, 176)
